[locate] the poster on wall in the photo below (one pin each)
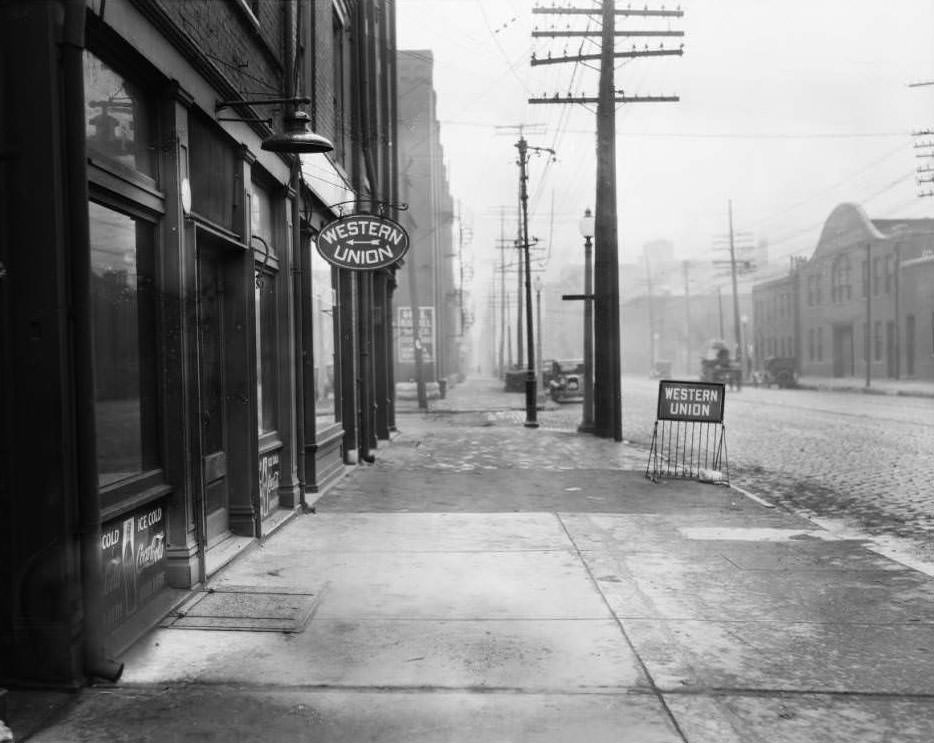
(133, 560)
(405, 348)
(268, 482)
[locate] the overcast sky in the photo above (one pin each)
(788, 108)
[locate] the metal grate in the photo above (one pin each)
(688, 450)
(245, 609)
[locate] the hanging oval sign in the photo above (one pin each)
(363, 242)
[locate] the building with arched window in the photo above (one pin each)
(863, 303)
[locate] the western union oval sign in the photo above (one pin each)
(363, 242)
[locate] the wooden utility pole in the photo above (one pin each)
(531, 395)
(737, 332)
(608, 417)
(687, 320)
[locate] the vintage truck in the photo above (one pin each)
(718, 366)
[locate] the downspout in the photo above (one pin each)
(293, 31)
(96, 664)
(364, 279)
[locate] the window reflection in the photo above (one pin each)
(323, 308)
(117, 117)
(123, 314)
(267, 329)
(266, 351)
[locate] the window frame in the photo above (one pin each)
(136, 195)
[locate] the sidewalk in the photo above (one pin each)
(482, 581)
(900, 387)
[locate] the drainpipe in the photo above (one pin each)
(96, 664)
(292, 21)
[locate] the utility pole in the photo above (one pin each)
(531, 396)
(502, 296)
(687, 319)
(927, 147)
(608, 418)
(650, 302)
(867, 353)
(521, 129)
(736, 327)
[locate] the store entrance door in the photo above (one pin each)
(212, 365)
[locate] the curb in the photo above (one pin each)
(865, 390)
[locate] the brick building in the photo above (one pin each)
(428, 279)
(179, 369)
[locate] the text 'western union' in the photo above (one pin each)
(363, 229)
(690, 401)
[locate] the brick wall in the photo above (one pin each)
(246, 49)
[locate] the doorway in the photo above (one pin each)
(910, 345)
(891, 350)
(212, 364)
(844, 362)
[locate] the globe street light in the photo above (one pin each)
(586, 226)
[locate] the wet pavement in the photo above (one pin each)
(486, 581)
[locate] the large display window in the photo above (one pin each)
(267, 327)
(323, 308)
(123, 316)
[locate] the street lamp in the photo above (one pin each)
(538, 349)
(586, 226)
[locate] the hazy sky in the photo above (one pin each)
(788, 108)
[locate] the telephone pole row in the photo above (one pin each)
(608, 417)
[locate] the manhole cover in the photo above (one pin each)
(251, 611)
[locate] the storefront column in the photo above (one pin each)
(349, 361)
(240, 346)
(184, 563)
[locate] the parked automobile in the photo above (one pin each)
(567, 380)
(779, 370)
(718, 366)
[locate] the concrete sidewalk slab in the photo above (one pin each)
(800, 718)
(240, 715)
(433, 585)
(786, 656)
(418, 532)
(526, 655)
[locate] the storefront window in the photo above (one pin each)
(267, 328)
(323, 308)
(117, 118)
(123, 316)
(266, 361)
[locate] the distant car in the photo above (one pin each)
(567, 380)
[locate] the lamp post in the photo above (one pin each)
(538, 349)
(586, 226)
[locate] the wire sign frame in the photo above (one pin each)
(689, 439)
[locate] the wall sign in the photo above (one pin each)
(701, 402)
(268, 482)
(133, 557)
(363, 242)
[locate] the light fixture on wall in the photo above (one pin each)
(295, 137)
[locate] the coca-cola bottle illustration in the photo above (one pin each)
(129, 567)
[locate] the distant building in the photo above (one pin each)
(863, 302)
(428, 278)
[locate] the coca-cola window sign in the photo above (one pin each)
(133, 557)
